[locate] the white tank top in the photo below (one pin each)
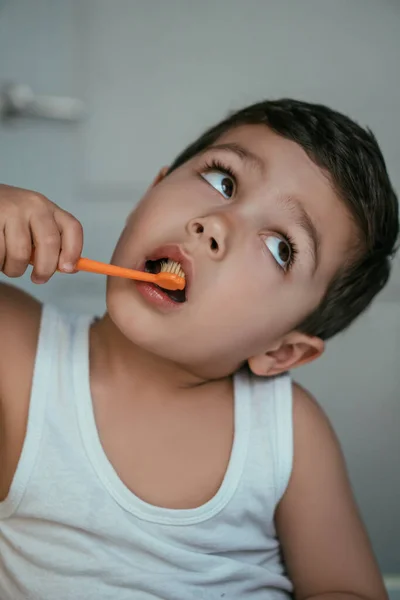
(70, 529)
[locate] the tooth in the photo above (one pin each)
(172, 266)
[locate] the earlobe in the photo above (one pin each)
(294, 350)
(261, 365)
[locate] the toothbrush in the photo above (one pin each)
(168, 281)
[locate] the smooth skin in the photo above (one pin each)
(182, 420)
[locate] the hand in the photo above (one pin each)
(29, 220)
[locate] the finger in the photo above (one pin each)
(71, 240)
(18, 247)
(47, 241)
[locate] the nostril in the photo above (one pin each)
(214, 245)
(199, 228)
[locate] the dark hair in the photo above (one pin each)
(352, 158)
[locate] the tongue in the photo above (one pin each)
(176, 295)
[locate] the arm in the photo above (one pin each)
(27, 220)
(324, 543)
(19, 326)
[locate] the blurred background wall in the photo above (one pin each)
(152, 75)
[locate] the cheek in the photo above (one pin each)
(163, 210)
(254, 304)
(145, 227)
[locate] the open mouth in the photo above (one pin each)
(167, 265)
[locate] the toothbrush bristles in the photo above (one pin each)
(171, 266)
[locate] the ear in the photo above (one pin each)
(292, 351)
(160, 176)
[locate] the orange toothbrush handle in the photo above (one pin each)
(94, 266)
(168, 281)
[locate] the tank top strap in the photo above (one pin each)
(54, 345)
(272, 431)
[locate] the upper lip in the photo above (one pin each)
(175, 252)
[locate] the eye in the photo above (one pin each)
(281, 249)
(222, 182)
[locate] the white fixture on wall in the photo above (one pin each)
(18, 101)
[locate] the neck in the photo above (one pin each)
(114, 354)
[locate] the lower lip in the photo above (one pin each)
(156, 296)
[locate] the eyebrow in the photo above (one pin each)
(294, 205)
(304, 221)
(243, 153)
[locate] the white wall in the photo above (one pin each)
(154, 73)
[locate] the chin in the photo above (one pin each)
(177, 336)
(139, 324)
(128, 315)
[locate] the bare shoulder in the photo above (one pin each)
(317, 451)
(309, 416)
(20, 317)
(324, 542)
(305, 403)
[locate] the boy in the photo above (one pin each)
(162, 450)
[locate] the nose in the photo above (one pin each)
(213, 232)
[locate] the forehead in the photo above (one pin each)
(289, 172)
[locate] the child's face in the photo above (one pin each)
(263, 236)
